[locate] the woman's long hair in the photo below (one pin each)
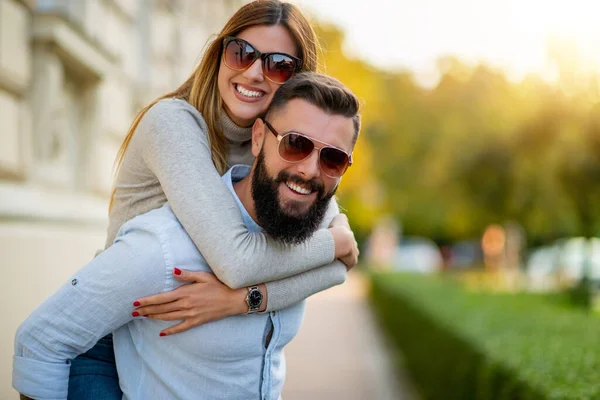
(201, 88)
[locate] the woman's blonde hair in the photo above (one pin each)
(201, 88)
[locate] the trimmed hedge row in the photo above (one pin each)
(463, 345)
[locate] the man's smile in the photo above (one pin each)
(298, 189)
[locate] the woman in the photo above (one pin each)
(176, 149)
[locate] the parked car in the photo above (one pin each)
(565, 260)
(466, 254)
(418, 254)
(541, 268)
(573, 255)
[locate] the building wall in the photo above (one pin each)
(72, 75)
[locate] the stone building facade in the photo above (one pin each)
(72, 75)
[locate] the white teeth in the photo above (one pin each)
(248, 93)
(298, 189)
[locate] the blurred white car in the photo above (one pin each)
(565, 259)
(417, 254)
(572, 256)
(541, 268)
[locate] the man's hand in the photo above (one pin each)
(346, 248)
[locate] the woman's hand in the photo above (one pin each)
(205, 299)
(346, 248)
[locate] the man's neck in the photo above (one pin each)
(243, 189)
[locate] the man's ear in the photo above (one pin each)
(258, 136)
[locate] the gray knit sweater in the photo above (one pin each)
(169, 158)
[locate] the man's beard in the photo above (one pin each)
(288, 227)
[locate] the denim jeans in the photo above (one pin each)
(94, 373)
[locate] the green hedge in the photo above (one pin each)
(463, 345)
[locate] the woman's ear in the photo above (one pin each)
(258, 136)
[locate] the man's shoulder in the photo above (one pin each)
(160, 230)
(158, 223)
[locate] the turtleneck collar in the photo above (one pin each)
(233, 132)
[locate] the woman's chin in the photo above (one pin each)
(244, 116)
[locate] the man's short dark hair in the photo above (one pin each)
(322, 91)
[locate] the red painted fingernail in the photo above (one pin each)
(136, 303)
(163, 334)
(135, 314)
(177, 271)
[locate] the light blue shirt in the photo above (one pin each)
(225, 359)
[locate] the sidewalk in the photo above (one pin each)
(339, 353)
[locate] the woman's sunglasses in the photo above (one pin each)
(295, 147)
(239, 55)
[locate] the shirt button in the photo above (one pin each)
(74, 282)
(273, 313)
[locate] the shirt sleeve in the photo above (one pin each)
(176, 150)
(92, 303)
(288, 291)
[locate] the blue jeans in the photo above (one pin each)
(94, 374)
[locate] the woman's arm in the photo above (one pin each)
(93, 302)
(175, 148)
(207, 299)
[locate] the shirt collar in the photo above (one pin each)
(235, 174)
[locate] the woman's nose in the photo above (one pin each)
(254, 73)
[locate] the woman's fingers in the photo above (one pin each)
(204, 299)
(160, 308)
(191, 276)
(176, 294)
(161, 298)
(169, 316)
(184, 326)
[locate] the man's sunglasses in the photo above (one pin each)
(239, 55)
(295, 147)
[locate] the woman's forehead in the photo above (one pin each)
(270, 39)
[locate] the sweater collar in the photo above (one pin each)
(233, 132)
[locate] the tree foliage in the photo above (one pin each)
(473, 150)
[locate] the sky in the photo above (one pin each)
(509, 34)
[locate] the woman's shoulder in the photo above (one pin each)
(174, 113)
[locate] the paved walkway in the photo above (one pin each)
(339, 352)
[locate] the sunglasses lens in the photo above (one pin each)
(294, 148)
(334, 162)
(239, 54)
(280, 67)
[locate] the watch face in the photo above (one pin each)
(254, 298)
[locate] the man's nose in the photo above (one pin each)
(309, 168)
(254, 73)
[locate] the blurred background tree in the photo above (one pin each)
(473, 150)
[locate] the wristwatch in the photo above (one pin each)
(254, 299)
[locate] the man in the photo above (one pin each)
(302, 147)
